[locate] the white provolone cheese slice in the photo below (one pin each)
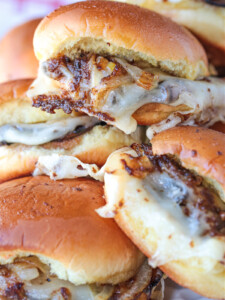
(41, 133)
(62, 166)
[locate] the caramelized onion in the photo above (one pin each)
(53, 287)
(100, 92)
(34, 261)
(144, 79)
(28, 278)
(24, 271)
(144, 283)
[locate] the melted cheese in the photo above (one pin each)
(164, 125)
(37, 288)
(169, 192)
(41, 133)
(150, 209)
(80, 292)
(43, 85)
(61, 166)
(44, 291)
(58, 166)
(205, 98)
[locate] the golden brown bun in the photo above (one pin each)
(219, 126)
(17, 59)
(15, 107)
(96, 26)
(200, 149)
(92, 147)
(57, 222)
(204, 20)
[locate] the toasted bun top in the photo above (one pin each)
(17, 59)
(16, 107)
(57, 222)
(200, 149)
(120, 29)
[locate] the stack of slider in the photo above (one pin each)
(114, 132)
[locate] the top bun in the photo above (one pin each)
(17, 59)
(200, 149)
(119, 29)
(56, 221)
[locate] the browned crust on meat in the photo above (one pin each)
(200, 149)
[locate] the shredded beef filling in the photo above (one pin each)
(205, 200)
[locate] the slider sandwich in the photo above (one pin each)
(169, 199)
(27, 133)
(205, 18)
(17, 59)
(57, 247)
(125, 65)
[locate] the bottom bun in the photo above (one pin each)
(94, 147)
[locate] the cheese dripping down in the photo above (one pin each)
(120, 96)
